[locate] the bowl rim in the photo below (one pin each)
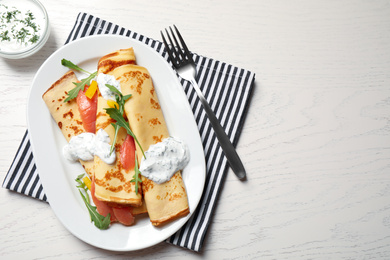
(35, 47)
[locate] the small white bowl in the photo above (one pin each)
(14, 50)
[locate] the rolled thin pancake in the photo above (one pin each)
(66, 114)
(68, 118)
(112, 181)
(164, 202)
(116, 59)
(105, 65)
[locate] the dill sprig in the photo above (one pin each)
(4, 36)
(22, 28)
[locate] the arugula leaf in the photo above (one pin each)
(136, 178)
(119, 96)
(79, 180)
(82, 185)
(71, 65)
(115, 90)
(120, 100)
(100, 221)
(121, 122)
(116, 127)
(79, 86)
(117, 115)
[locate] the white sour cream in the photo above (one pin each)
(21, 25)
(103, 79)
(164, 159)
(86, 145)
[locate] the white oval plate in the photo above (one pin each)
(58, 175)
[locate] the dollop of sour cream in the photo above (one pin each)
(164, 159)
(86, 145)
(103, 79)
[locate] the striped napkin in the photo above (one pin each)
(227, 88)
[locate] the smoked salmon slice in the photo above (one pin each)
(124, 215)
(102, 206)
(87, 108)
(127, 153)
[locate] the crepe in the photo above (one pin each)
(164, 202)
(112, 181)
(66, 115)
(116, 59)
(68, 119)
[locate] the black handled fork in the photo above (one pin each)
(181, 59)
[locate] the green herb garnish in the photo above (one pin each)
(71, 65)
(82, 186)
(21, 27)
(21, 35)
(136, 176)
(79, 85)
(120, 100)
(29, 21)
(4, 36)
(34, 39)
(9, 15)
(100, 221)
(117, 115)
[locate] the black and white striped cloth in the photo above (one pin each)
(226, 87)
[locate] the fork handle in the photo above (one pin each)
(228, 148)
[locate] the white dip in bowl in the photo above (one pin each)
(24, 28)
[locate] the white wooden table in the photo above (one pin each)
(316, 141)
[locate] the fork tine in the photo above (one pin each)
(169, 50)
(165, 42)
(173, 45)
(187, 52)
(179, 48)
(169, 37)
